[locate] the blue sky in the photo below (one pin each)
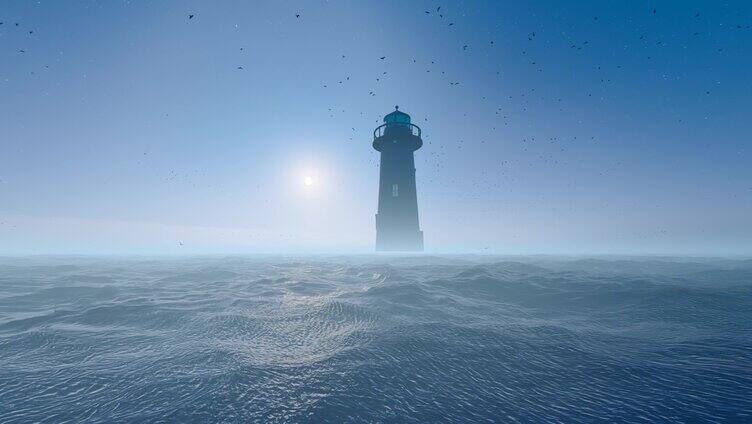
(575, 127)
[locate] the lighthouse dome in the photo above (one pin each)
(397, 117)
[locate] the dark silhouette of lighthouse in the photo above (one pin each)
(397, 227)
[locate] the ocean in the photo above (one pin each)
(375, 339)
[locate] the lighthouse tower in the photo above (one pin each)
(397, 227)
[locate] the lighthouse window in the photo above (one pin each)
(395, 190)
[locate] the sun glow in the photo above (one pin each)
(308, 181)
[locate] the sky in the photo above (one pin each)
(549, 127)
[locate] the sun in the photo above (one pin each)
(308, 181)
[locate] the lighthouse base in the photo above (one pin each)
(399, 242)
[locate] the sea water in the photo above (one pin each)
(406, 339)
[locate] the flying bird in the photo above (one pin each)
(190, 16)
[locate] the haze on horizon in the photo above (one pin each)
(586, 127)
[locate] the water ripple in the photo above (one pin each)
(374, 339)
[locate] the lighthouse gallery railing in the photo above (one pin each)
(379, 131)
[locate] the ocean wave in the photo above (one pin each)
(375, 339)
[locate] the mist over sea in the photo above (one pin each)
(375, 339)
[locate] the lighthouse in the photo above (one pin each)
(397, 226)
